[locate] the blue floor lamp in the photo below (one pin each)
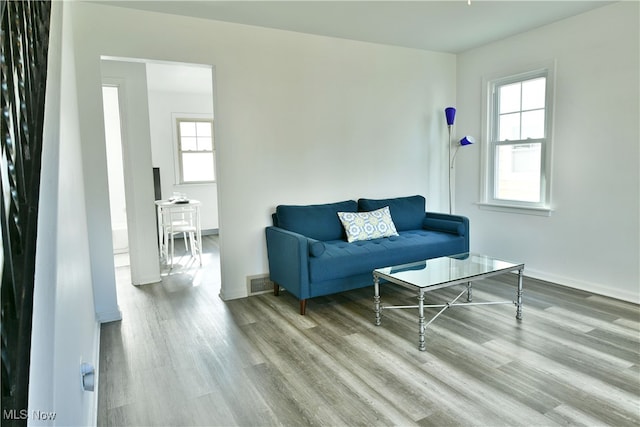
(450, 115)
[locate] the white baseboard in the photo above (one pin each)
(148, 280)
(595, 288)
(109, 316)
(228, 296)
(93, 416)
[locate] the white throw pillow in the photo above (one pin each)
(368, 225)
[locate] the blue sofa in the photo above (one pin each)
(309, 254)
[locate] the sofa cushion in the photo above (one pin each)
(318, 222)
(407, 212)
(367, 225)
(341, 259)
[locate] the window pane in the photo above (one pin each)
(189, 143)
(510, 98)
(518, 172)
(197, 167)
(533, 93)
(509, 127)
(203, 128)
(205, 144)
(533, 124)
(187, 129)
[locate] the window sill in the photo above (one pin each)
(193, 184)
(525, 210)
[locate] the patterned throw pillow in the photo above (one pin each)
(368, 225)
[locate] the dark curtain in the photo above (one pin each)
(24, 43)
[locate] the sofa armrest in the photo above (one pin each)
(288, 254)
(454, 224)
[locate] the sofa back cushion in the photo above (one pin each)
(318, 222)
(407, 212)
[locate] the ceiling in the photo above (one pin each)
(451, 26)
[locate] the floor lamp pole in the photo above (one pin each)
(450, 167)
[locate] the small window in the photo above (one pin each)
(518, 157)
(196, 150)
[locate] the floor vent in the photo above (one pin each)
(259, 284)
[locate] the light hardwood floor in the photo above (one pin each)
(182, 356)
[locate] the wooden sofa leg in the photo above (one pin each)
(303, 306)
(276, 289)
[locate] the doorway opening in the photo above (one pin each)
(115, 171)
(145, 104)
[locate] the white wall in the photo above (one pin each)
(94, 160)
(163, 107)
(299, 118)
(117, 202)
(65, 331)
(591, 239)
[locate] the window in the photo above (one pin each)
(195, 150)
(518, 152)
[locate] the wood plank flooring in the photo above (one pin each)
(182, 356)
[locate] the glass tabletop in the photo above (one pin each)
(446, 271)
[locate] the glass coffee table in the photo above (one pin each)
(438, 273)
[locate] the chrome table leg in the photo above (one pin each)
(376, 298)
(421, 327)
(519, 300)
(469, 296)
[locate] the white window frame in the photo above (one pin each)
(190, 117)
(490, 123)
